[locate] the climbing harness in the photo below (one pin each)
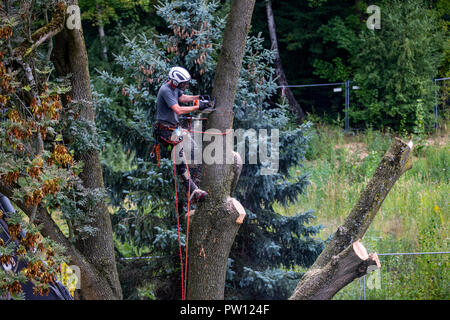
(158, 127)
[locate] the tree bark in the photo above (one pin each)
(282, 81)
(70, 57)
(321, 276)
(216, 219)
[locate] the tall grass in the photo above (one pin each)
(413, 217)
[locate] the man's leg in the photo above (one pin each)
(196, 194)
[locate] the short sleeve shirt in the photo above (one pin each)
(167, 97)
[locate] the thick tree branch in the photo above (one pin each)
(342, 269)
(281, 76)
(394, 163)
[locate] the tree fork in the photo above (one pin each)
(394, 163)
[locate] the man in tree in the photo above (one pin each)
(167, 128)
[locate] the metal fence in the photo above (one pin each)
(363, 286)
(348, 88)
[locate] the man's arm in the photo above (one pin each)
(186, 98)
(182, 110)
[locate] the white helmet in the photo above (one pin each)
(179, 75)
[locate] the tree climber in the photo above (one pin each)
(167, 129)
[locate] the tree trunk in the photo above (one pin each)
(101, 34)
(342, 269)
(325, 278)
(282, 81)
(69, 57)
(50, 41)
(92, 279)
(218, 218)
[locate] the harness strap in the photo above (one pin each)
(158, 155)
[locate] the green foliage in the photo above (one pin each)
(269, 284)
(395, 67)
(392, 66)
(144, 195)
(102, 12)
(37, 158)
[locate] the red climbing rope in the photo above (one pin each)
(183, 279)
(187, 228)
(178, 224)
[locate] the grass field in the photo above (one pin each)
(413, 218)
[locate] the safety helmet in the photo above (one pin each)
(179, 75)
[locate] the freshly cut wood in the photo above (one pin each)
(342, 269)
(333, 269)
(214, 229)
(235, 206)
(191, 213)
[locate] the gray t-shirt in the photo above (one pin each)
(167, 97)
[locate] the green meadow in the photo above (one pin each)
(413, 218)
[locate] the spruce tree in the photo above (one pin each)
(268, 244)
(393, 66)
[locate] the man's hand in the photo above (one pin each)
(202, 105)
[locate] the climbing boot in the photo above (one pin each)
(198, 195)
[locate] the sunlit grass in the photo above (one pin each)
(413, 217)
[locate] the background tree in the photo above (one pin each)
(395, 67)
(282, 81)
(332, 36)
(100, 13)
(50, 153)
(298, 24)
